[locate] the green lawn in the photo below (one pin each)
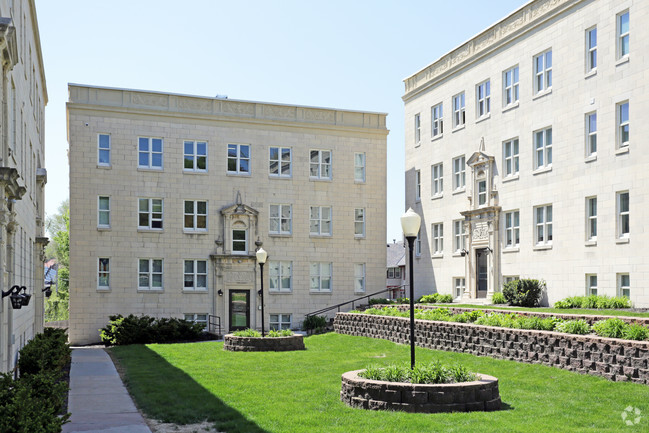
(297, 392)
(603, 312)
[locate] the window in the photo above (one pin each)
(543, 72)
(150, 213)
(281, 219)
(195, 276)
(591, 134)
(238, 158)
(459, 173)
(510, 154)
(458, 110)
(150, 274)
(510, 278)
(320, 221)
(103, 150)
(279, 161)
(417, 128)
(280, 321)
(280, 276)
(438, 238)
(195, 215)
(195, 156)
(359, 222)
(459, 284)
(591, 49)
(437, 175)
(417, 185)
(482, 193)
(512, 229)
(197, 318)
(510, 86)
(239, 241)
(359, 167)
(459, 237)
(623, 124)
(591, 284)
(359, 277)
(103, 274)
(483, 99)
(543, 148)
(394, 273)
(418, 244)
(543, 223)
(103, 211)
(623, 214)
(437, 120)
(623, 34)
(591, 218)
(150, 153)
(320, 277)
(320, 166)
(623, 285)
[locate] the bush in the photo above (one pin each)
(593, 302)
(380, 301)
(403, 300)
(48, 351)
(133, 329)
(610, 328)
(432, 373)
(524, 293)
(580, 327)
(435, 298)
(247, 333)
(498, 298)
(636, 331)
(273, 333)
(314, 323)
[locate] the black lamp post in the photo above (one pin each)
(410, 223)
(261, 259)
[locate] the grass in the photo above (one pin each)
(574, 311)
(299, 391)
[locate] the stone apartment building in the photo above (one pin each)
(171, 195)
(520, 157)
(22, 178)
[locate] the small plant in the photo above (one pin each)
(593, 301)
(279, 333)
(524, 292)
(435, 298)
(314, 323)
(580, 327)
(498, 298)
(403, 300)
(432, 373)
(247, 333)
(610, 328)
(635, 331)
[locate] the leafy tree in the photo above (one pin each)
(58, 226)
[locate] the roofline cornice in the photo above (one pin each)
(37, 39)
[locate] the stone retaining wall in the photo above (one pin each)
(259, 344)
(612, 358)
(479, 395)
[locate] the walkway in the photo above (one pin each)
(98, 400)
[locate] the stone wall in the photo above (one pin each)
(259, 344)
(612, 358)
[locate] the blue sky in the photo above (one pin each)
(349, 54)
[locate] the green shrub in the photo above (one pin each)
(610, 328)
(467, 316)
(445, 299)
(403, 300)
(533, 322)
(279, 333)
(593, 301)
(619, 302)
(133, 329)
(435, 298)
(314, 323)
(439, 314)
(636, 331)
(432, 373)
(47, 351)
(580, 327)
(247, 333)
(524, 292)
(380, 301)
(498, 298)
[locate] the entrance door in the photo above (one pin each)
(481, 272)
(239, 309)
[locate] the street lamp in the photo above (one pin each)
(410, 223)
(261, 259)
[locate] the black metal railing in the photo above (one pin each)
(342, 304)
(214, 324)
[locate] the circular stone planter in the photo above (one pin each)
(263, 344)
(479, 395)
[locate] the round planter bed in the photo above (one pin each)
(263, 344)
(479, 395)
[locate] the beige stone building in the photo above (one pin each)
(170, 196)
(22, 177)
(524, 154)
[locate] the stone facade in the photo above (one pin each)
(22, 175)
(522, 154)
(612, 358)
(167, 258)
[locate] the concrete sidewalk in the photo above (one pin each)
(98, 400)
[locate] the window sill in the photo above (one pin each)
(437, 256)
(511, 250)
(510, 178)
(437, 137)
(151, 169)
(418, 256)
(145, 230)
(158, 291)
(542, 93)
(278, 177)
(103, 229)
(622, 60)
(622, 150)
(418, 200)
(590, 73)
(200, 172)
(459, 190)
(280, 292)
(591, 243)
(194, 291)
(195, 232)
(359, 182)
(417, 144)
(104, 167)
(458, 128)
(437, 196)
(457, 254)
(319, 179)
(541, 170)
(622, 240)
(483, 118)
(234, 174)
(315, 292)
(591, 158)
(311, 235)
(103, 290)
(510, 106)
(542, 247)
(359, 237)
(280, 235)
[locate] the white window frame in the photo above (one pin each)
(459, 285)
(623, 216)
(437, 180)
(359, 222)
(152, 217)
(509, 278)
(233, 241)
(417, 185)
(623, 287)
(279, 161)
(417, 128)
(196, 318)
(483, 99)
(324, 272)
(101, 211)
(459, 110)
(277, 217)
(106, 150)
(437, 120)
(591, 134)
(482, 193)
(149, 273)
(280, 321)
(277, 271)
(437, 238)
(511, 150)
(195, 215)
(510, 86)
(591, 218)
(194, 156)
(195, 275)
(622, 35)
(543, 148)
(359, 167)
(238, 158)
(418, 244)
(543, 234)
(322, 168)
(542, 66)
(512, 229)
(459, 236)
(591, 49)
(591, 284)
(459, 173)
(319, 220)
(623, 127)
(101, 272)
(359, 277)
(150, 153)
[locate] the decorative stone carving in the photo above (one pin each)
(195, 104)
(240, 277)
(241, 108)
(480, 232)
(279, 112)
(150, 99)
(320, 115)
